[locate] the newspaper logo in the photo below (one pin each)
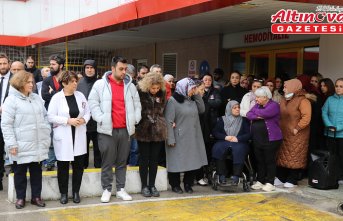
(325, 20)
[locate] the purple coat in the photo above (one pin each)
(271, 115)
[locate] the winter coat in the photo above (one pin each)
(189, 151)
(36, 73)
(100, 103)
(47, 83)
(208, 119)
(152, 127)
(333, 114)
(25, 125)
(295, 114)
(85, 86)
(58, 115)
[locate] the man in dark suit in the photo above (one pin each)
(5, 76)
(51, 85)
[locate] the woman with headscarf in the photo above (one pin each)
(295, 127)
(185, 148)
(232, 133)
(266, 137)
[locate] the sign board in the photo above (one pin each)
(192, 67)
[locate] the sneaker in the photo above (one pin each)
(257, 186)
(268, 187)
(122, 194)
(289, 185)
(278, 182)
(203, 182)
(154, 192)
(146, 192)
(340, 182)
(106, 196)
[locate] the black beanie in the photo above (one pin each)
(90, 62)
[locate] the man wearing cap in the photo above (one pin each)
(85, 85)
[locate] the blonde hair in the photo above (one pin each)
(19, 80)
(150, 79)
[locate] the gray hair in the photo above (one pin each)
(263, 92)
(155, 66)
(130, 69)
(168, 77)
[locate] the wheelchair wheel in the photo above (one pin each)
(246, 186)
(215, 181)
(340, 209)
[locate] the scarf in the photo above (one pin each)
(232, 124)
(184, 85)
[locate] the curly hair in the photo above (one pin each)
(19, 79)
(150, 79)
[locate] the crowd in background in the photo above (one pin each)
(146, 118)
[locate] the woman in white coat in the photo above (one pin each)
(69, 114)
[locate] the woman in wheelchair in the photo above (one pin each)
(232, 133)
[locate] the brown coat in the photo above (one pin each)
(295, 114)
(152, 127)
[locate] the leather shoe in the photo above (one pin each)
(188, 188)
(146, 192)
(76, 197)
(38, 202)
(64, 198)
(20, 203)
(177, 189)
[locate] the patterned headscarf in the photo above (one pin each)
(184, 85)
(232, 124)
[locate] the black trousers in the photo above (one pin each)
(335, 146)
(149, 153)
(20, 180)
(265, 156)
(93, 136)
(2, 153)
(288, 175)
(63, 174)
(188, 178)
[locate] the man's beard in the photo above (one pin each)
(4, 71)
(54, 72)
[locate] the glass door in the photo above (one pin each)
(286, 64)
(259, 64)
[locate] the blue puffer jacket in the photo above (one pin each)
(332, 114)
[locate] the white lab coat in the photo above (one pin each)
(58, 115)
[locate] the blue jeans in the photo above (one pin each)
(133, 158)
(51, 154)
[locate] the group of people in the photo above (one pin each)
(194, 122)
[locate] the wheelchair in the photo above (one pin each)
(247, 175)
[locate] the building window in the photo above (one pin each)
(311, 58)
(170, 64)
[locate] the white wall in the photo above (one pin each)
(331, 56)
(26, 18)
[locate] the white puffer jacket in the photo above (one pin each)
(25, 125)
(100, 103)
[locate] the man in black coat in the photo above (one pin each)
(85, 86)
(30, 67)
(51, 85)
